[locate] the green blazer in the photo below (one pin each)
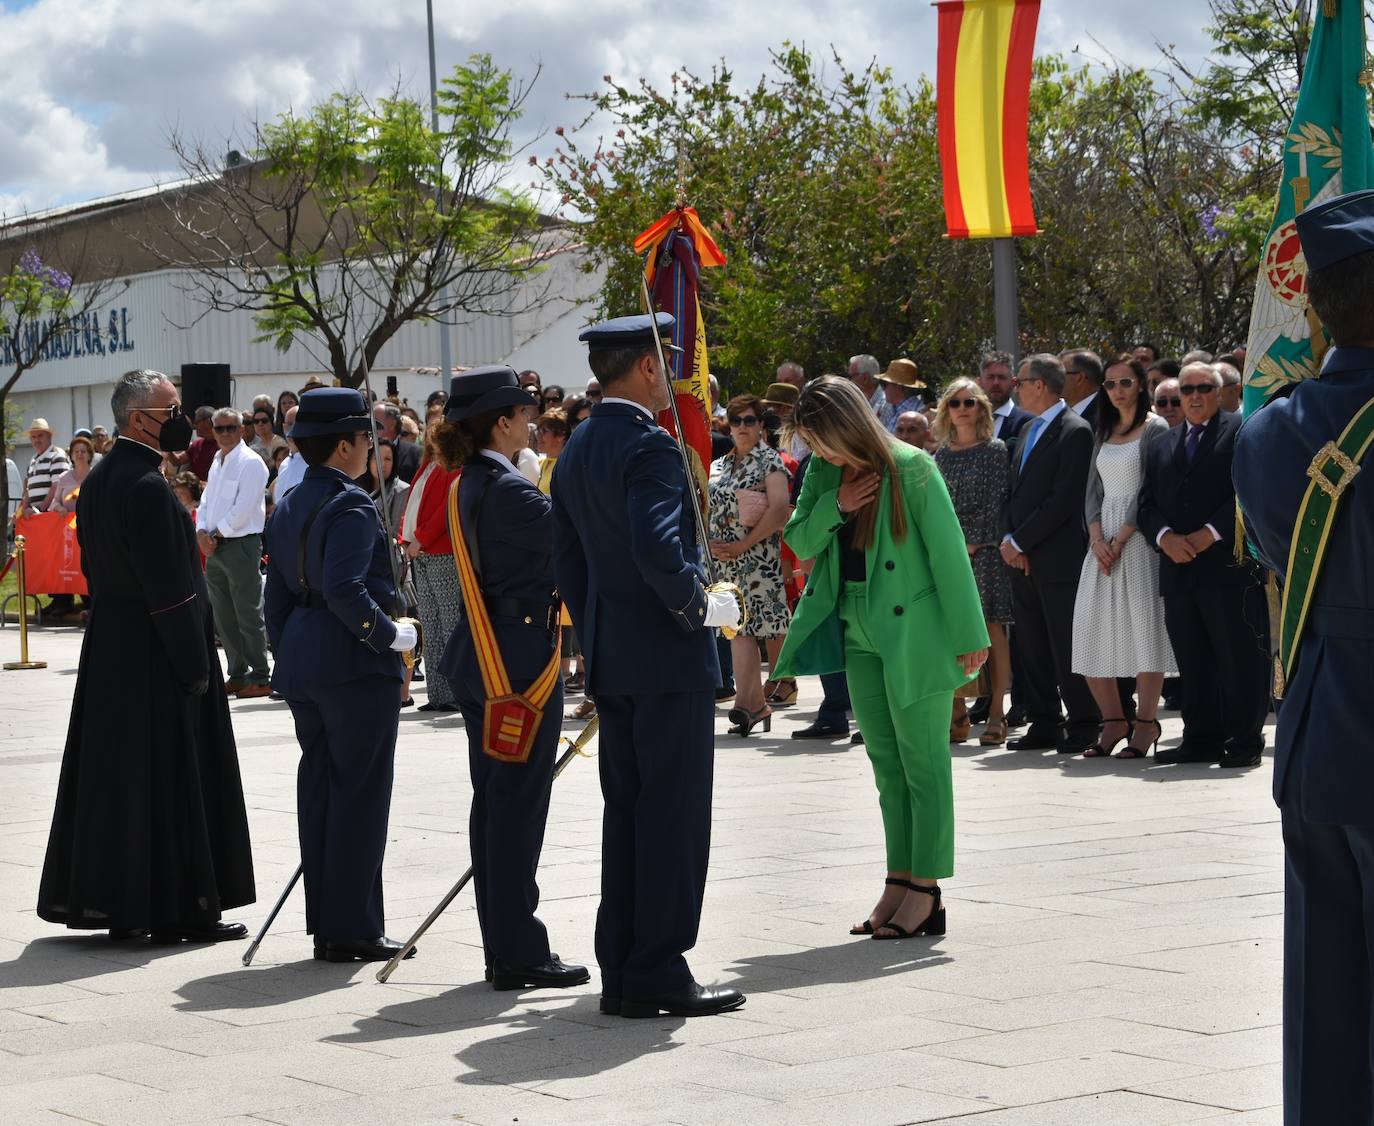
(923, 604)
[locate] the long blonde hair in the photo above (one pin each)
(831, 413)
(942, 430)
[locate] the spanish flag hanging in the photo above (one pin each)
(983, 98)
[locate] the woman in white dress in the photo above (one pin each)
(1118, 618)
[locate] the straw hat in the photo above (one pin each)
(903, 373)
(40, 424)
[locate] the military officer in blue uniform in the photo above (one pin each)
(628, 564)
(329, 594)
(508, 535)
(1297, 493)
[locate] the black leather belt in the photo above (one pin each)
(532, 612)
(311, 600)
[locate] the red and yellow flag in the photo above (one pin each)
(983, 98)
(675, 249)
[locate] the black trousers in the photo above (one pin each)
(510, 808)
(1220, 637)
(1044, 628)
(347, 735)
(657, 757)
(1328, 970)
(834, 709)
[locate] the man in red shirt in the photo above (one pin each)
(201, 452)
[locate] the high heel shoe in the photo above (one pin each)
(866, 927)
(745, 721)
(1130, 751)
(1101, 751)
(784, 691)
(932, 924)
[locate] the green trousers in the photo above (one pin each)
(909, 749)
(235, 587)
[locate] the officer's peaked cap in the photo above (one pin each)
(629, 332)
(485, 389)
(1337, 228)
(330, 410)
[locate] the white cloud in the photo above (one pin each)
(91, 88)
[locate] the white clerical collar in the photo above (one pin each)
(501, 459)
(629, 403)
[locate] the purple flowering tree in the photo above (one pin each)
(38, 305)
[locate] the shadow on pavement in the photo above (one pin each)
(64, 958)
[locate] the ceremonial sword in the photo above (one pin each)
(574, 749)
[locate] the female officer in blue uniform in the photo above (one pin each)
(329, 589)
(505, 531)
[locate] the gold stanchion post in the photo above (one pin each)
(23, 662)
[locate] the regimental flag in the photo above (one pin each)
(1327, 152)
(675, 249)
(983, 99)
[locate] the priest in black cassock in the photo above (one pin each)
(150, 834)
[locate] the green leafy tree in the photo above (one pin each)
(348, 222)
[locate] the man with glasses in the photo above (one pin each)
(149, 834)
(594, 391)
(229, 525)
(1083, 372)
(1168, 402)
(1045, 542)
(1214, 606)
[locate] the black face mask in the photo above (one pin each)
(175, 435)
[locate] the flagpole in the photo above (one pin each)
(1004, 299)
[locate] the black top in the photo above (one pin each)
(853, 560)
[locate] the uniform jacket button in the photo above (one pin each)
(898, 611)
(809, 592)
(890, 565)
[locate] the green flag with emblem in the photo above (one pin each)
(1327, 152)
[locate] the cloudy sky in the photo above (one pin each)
(89, 89)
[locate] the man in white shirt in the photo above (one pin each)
(293, 468)
(863, 370)
(229, 525)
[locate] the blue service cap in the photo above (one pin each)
(330, 410)
(627, 332)
(485, 389)
(1337, 228)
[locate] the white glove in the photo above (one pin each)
(722, 609)
(405, 637)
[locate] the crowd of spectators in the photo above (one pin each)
(1094, 497)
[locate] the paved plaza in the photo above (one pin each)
(1113, 956)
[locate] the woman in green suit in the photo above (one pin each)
(892, 601)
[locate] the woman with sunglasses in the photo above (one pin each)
(551, 397)
(1118, 616)
(977, 471)
(749, 504)
(266, 441)
(892, 601)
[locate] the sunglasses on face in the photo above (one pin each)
(173, 411)
(261, 421)
(228, 428)
(1126, 382)
(593, 394)
(743, 420)
(1028, 379)
(1165, 401)
(967, 404)
(553, 398)
(1197, 389)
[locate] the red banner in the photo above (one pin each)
(52, 557)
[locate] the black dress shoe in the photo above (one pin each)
(1235, 759)
(819, 730)
(694, 1001)
(724, 693)
(450, 707)
(1075, 743)
(1185, 753)
(552, 974)
(1016, 716)
(215, 932)
(856, 739)
(127, 934)
(980, 710)
(1038, 737)
(610, 1005)
(381, 949)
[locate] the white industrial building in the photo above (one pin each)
(153, 320)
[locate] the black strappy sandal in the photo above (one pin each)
(934, 923)
(1131, 752)
(866, 927)
(1100, 750)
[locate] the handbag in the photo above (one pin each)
(752, 505)
(978, 687)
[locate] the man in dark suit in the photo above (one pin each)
(995, 378)
(1045, 541)
(1214, 606)
(627, 558)
(1083, 374)
(328, 598)
(1323, 769)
